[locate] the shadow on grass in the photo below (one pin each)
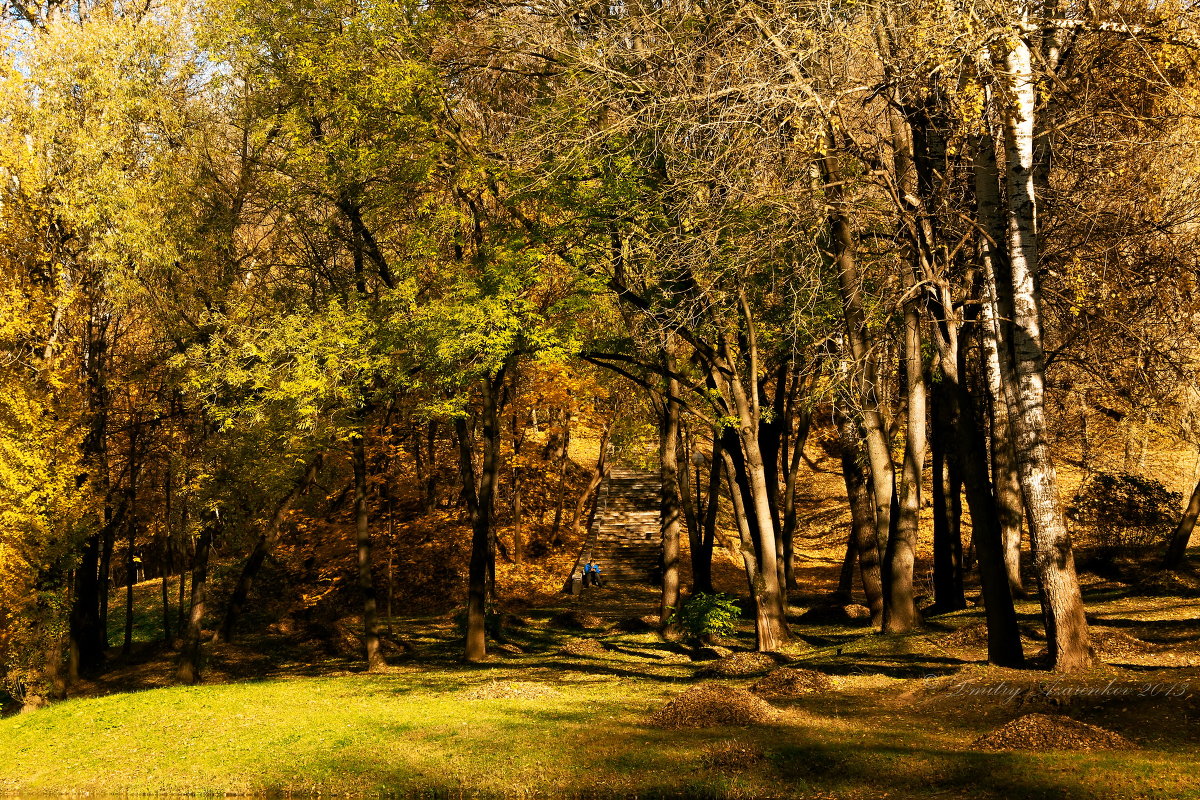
(918, 771)
(597, 665)
(916, 667)
(1167, 631)
(635, 761)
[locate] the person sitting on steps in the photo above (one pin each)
(591, 574)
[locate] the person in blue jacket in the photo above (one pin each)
(591, 574)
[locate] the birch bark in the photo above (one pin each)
(1062, 603)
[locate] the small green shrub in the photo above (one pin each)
(705, 615)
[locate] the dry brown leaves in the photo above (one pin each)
(838, 614)
(973, 635)
(791, 682)
(1108, 642)
(711, 704)
(576, 620)
(584, 647)
(1051, 732)
(504, 690)
(741, 665)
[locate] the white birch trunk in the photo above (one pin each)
(1062, 604)
(996, 320)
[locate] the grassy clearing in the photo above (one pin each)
(409, 733)
(439, 733)
(899, 721)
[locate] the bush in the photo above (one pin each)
(493, 623)
(1123, 510)
(702, 616)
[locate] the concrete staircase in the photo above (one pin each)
(627, 537)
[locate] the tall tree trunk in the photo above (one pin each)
(186, 562)
(947, 509)
(1062, 602)
(481, 500)
(425, 463)
(518, 548)
(691, 503)
(106, 550)
(366, 577)
(771, 619)
(1178, 543)
(561, 456)
(131, 541)
(764, 638)
(1004, 638)
(168, 559)
(191, 664)
(844, 593)
(1005, 477)
(791, 486)
(52, 673)
(669, 506)
(996, 312)
(89, 613)
(182, 610)
(899, 608)
(970, 445)
(87, 641)
(88, 638)
(702, 516)
(906, 125)
(702, 579)
(731, 446)
(862, 511)
(770, 442)
(1011, 506)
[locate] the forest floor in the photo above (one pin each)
(563, 709)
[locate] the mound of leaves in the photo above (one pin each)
(1051, 732)
(711, 652)
(340, 637)
(709, 704)
(741, 665)
(507, 690)
(837, 614)
(643, 624)
(584, 647)
(973, 635)
(576, 620)
(730, 755)
(791, 682)
(1108, 642)
(1182, 584)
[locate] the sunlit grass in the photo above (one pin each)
(543, 723)
(452, 732)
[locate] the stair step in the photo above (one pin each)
(626, 535)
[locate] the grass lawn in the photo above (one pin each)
(899, 721)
